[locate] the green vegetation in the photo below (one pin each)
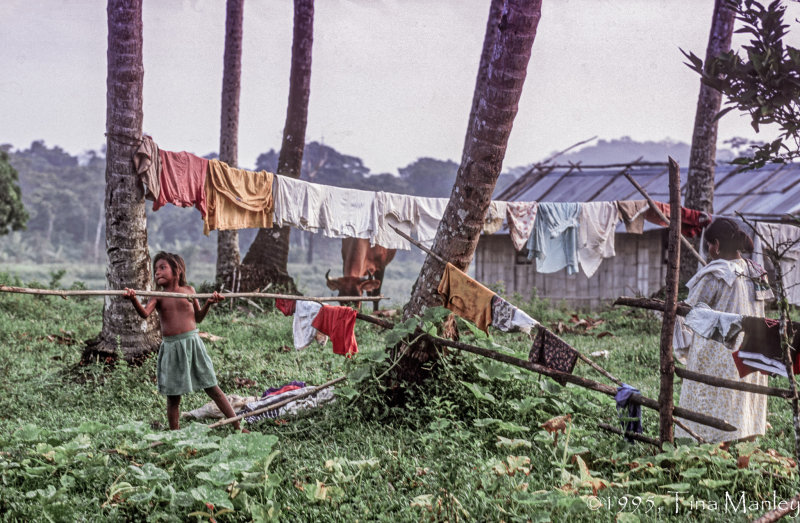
(12, 212)
(88, 443)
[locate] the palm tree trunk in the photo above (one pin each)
(266, 260)
(702, 159)
(498, 98)
(126, 225)
(228, 257)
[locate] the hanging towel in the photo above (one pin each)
(722, 327)
(782, 237)
(237, 199)
(466, 297)
(182, 180)
(333, 211)
(634, 411)
(682, 337)
(303, 331)
(761, 347)
(495, 216)
(147, 163)
(399, 210)
(339, 323)
(285, 306)
(429, 214)
(554, 242)
(632, 213)
(508, 318)
(521, 217)
(596, 226)
(692, 221)
(552, 352)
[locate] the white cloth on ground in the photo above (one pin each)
(719, 326)
(597, 223)
(210, 409)
(291, 408)
(302, 331)
(521, 216)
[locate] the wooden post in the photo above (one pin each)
(667, 364)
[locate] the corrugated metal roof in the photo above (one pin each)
(769, 192)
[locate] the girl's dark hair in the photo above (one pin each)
(731, 237)
(176, 262)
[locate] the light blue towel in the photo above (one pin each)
(554, 241)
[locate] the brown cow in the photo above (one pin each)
(362, 269)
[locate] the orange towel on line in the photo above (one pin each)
(236, 198)
(466, 297)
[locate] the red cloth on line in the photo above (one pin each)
(285, 306)
(692, 222)
(339, 323)
(183, 179)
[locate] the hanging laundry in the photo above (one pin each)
(236, 198)
(332, 211)
(508, 318)
(429, 214)
(466, 297)
(632, 213)
(147, 163)
(634, 410)
(596, 226)
(761, 347)
(682, 337)
(520, 217)
(285, 306)
(552, 352)
(399, 210)
(495, 216)
(692, 221)
(182, 180)
(722, 327)
(554, 241)
(339, 323)
(303, 331)
(785, 238)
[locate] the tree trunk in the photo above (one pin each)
(700, 175)
(268, 256)
(126, 224)
(228, 241)
(498, 98)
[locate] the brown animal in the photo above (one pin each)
(362, 269)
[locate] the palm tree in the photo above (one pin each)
(126, 232)
(702, 159)
(497, 97)
(267, 258)
(228, 241)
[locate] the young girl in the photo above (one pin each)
(183, 364)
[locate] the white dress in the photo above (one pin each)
(725, 286)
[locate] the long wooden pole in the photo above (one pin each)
(666, 362)
(632, 435)
(277, 405)
(660, 214)
(681, 309)
(65, 294)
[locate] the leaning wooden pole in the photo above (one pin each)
(667, 364)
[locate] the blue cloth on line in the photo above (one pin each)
(634, 410)
(554, 240)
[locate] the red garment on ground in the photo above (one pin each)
(285, 306)
(692, 222)
(183, 179)
(339, 323)
(285, 388)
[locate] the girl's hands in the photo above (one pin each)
(129, 293)
(216, 298)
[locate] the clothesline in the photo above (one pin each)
(161, 294)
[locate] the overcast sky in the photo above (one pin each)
(392, 80)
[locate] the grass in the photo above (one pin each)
(76, 443)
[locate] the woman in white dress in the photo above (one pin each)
(732, 284)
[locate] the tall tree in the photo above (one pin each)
(228, 241)
(267, 258)
(126, 233)
(702, 158)
(498, 97)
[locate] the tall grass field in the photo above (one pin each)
(482, 441)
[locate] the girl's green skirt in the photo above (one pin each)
(184, 365)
